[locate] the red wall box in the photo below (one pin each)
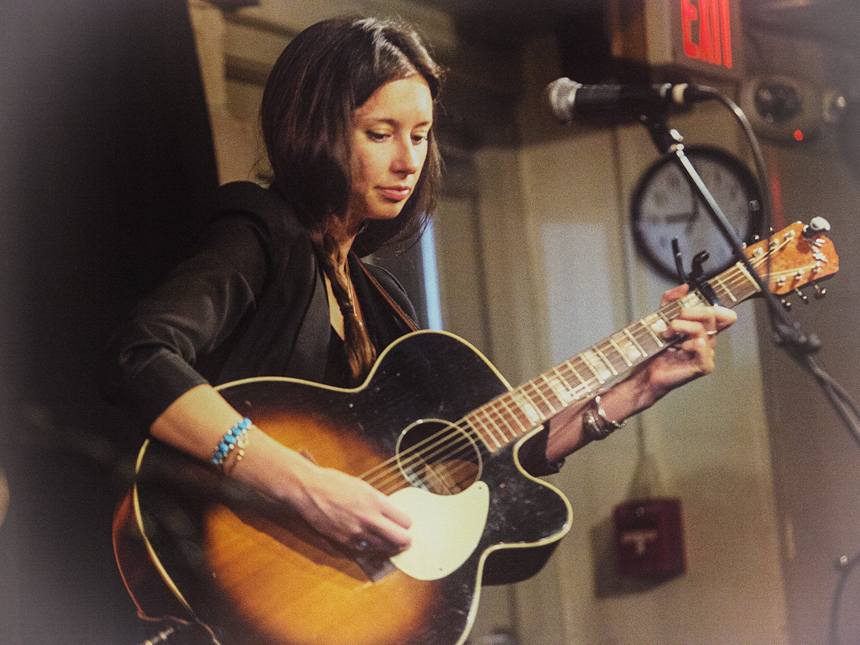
(649, 538)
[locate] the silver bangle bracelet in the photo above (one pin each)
(596, 425)
(615, 425)
(591, 428)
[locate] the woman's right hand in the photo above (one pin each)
(342, 508)
(350, 511)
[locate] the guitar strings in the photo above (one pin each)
(430, 451)
(427, 452)
(440, 447)
(461, 438)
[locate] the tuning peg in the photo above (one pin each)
(803, 297)
(786, 304)
(820, 291)
(816, 225)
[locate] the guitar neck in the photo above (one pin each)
(791, 258)
(521, 410)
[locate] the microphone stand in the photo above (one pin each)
(670, 141)
(799, 345)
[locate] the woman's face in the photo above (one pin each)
(389, 146)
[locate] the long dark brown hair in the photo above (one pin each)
(326, 72)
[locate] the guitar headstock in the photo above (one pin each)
(796, 258)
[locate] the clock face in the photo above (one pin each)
(664, 206)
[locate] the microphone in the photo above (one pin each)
(570, 100)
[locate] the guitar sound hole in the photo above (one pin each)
(439, 457)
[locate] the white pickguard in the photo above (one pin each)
(445, 529)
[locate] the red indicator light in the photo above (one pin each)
(798, 135)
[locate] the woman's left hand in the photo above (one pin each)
(693, 356)
(690, 357)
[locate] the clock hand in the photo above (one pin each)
(696, 210)
(676, 218)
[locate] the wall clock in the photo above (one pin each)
(664, 206)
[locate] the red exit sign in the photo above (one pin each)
(694, 35)
(707, 32)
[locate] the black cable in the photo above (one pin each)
(837, 395)
(845, 567)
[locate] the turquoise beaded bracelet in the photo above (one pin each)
(235, 439)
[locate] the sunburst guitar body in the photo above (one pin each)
(255, 573)
(435, 427)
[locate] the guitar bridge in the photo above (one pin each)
(375, 568)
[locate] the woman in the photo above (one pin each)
(276, 288)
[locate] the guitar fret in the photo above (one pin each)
(650, 329)
(749, 280)
(488, 436)
(645, 340)
(550, 407)
(739, 279)
(616, 354)
(552, 389)
(503, 426)
(633, 340)
(513, 415)
(621, 352)
(583, 384)
(470, 425)
(495, 420)
(570, 366)
(527, 406)
(488, 427)
(587, 361)
(609, 364)
(720, 284)
(561, 387)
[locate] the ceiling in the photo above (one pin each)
(507, 20)
(836, 22)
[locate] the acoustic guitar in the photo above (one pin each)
(434, 426)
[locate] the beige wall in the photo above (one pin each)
(815, 459)
(706, 444)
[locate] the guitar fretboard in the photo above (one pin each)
(521, 410)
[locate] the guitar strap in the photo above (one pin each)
(411, 324)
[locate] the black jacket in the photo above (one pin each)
(249, 301)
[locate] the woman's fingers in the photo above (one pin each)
(356, 515)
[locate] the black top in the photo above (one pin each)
(250, 301)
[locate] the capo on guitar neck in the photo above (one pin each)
(696, 278)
